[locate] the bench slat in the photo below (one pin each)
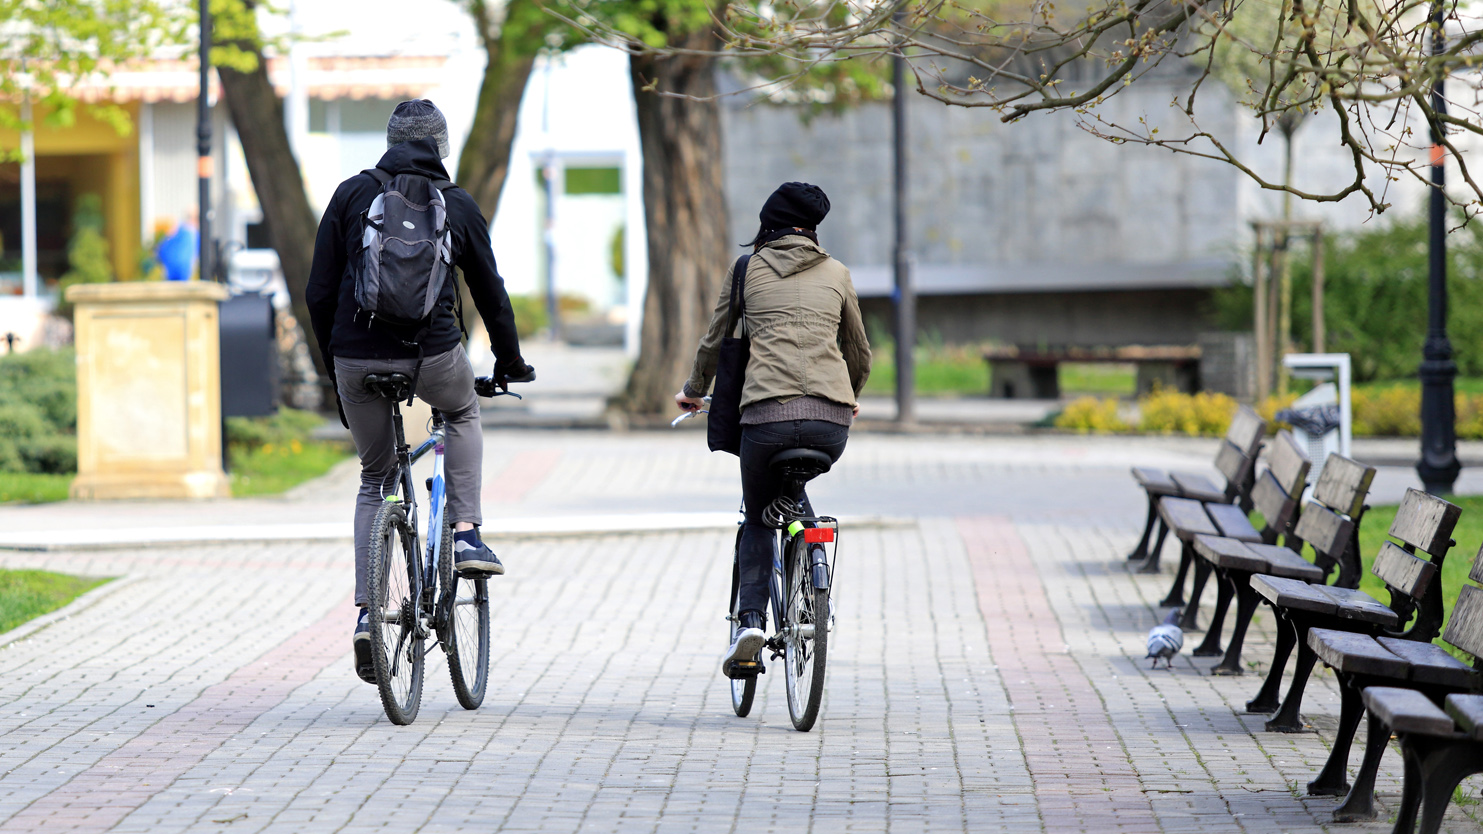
(1247, 430)
(1198, 487)
(1232, 522)
(1231, 462)
(1275, 503)
(1156, 481)
(1283, 562)
(1476, 572)
(1467, 711)
(1288, 463)
(1186, 518)
(1343, 484)
(1231, 554)
(1355, 604)
(1356, 654)
(1408, 711)
(1465, 627)
(1291, 593)
(1430, 663)
(1425, 521)
(1402, 571)
(1323, 528)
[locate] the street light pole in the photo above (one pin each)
(906, 299)
(1438, 466)
(204, 167)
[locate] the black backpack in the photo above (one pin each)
(406, 250)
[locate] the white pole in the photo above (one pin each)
(146, 173)
(296, 107)
(28, 197)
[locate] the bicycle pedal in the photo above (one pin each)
(747, 668)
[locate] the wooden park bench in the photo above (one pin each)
(1365, 661)
(1423, 522)
(1329, 523)
(1029, 371)
(1441, 747)
(1275, 493)
(1235, 461)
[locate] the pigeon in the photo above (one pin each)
(1165, 640)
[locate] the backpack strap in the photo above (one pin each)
(379, 175)
(442, 185)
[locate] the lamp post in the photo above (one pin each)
(28, 188)
(905, 295)
(204, 166)
(1438, 466)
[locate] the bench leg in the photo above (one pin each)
(1442, 765)
(1266, 699)
(1188, 622)
(1359, 805)
(1210, 647)
(1288, 719)
(1140, 552)
(1246, 602)
(1176, 591)
(1332, 779)
(1151, 564)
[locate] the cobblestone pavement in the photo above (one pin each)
(986, 672)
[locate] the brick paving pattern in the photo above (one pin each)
(986, 673)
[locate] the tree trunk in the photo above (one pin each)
(257, 113)
(511, 46)
(685, 211)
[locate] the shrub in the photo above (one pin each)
(38, 412)
(530, 314)
(1170, 412)
(1089, 414)
(1388, 412)
(87, 251)
(283, 429)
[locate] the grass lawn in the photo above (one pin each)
(273, 468)
(30, 488)
(27, 594)
(1468, 535)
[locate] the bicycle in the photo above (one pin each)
(406, 606)
(799, 589)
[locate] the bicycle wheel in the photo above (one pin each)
(743, 690)
(465, 625)
(805, 637)
(393, 587)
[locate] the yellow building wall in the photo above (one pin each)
(92, 156)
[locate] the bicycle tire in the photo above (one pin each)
(743, 690)
(465, 632)
(806, 637)
(393, 586)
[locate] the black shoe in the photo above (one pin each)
(742, 660)
(364, 669)
(473, 559)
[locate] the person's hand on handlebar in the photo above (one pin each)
(516, 371)
(689, 403)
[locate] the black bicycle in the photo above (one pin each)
(802, 573)
(413, 598)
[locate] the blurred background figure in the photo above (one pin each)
(178, 251)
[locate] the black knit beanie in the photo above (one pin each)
(794, 204)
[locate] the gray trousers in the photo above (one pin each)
(447, 384)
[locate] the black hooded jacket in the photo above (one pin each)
(331, 291)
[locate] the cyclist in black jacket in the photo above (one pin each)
(417, 142)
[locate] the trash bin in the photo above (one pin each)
(249, 357)
(1315, 419)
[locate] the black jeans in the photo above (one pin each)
(760, 486)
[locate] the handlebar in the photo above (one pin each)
(485, 386)
(687, 415)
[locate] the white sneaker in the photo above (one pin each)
(741, 660)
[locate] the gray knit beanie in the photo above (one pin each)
(418, 119)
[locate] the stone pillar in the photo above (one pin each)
(148, 390)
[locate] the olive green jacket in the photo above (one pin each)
(803, 319)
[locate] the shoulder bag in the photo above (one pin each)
(723, 426)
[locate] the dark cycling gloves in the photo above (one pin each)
(514, 371)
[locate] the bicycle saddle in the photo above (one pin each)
(804, 464)
(392, 386)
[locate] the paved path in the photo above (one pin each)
(987, 671)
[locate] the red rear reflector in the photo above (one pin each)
(815, 535)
